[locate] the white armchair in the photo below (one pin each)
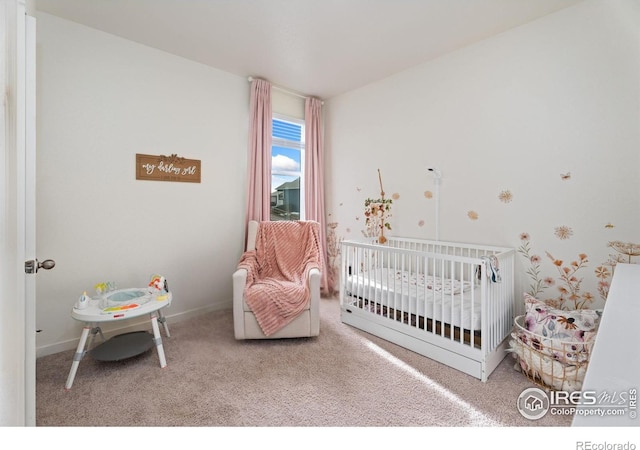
(245, 322)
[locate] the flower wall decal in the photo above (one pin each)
(537, 285)
(625, 252)
(604, 273)
(563, 232)
(505, 196)
(569, 284)
(628, 249)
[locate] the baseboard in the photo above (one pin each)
(138, 324)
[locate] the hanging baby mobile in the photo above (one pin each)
(377, 212)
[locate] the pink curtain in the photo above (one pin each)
(259, 158)
(314, 180)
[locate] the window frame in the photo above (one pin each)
(293, 145)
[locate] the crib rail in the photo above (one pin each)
(439, 292)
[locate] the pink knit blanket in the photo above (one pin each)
(277, 288)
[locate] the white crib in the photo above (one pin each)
(439, 299)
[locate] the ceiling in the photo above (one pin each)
(312, 47)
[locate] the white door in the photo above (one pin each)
(17, 223)
(30, 221)
(13, 325)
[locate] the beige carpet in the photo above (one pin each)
(343, 378)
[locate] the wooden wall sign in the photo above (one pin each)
(167, 168)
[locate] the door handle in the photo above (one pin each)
(33, 265)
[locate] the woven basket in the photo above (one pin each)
(550, 363)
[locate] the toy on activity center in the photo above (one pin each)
(83, 301)
(104, 287)
(160, 283)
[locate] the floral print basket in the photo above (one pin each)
(551, 362)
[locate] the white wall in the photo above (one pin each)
(512, 113)
(101, 100)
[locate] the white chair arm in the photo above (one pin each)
(240, 276)
(314, 272)
(239, 282)
(314, 301)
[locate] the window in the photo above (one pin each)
(287, 169)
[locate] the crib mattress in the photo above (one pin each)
(447, 300)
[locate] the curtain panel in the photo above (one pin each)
(259, 157)
(314, 179)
